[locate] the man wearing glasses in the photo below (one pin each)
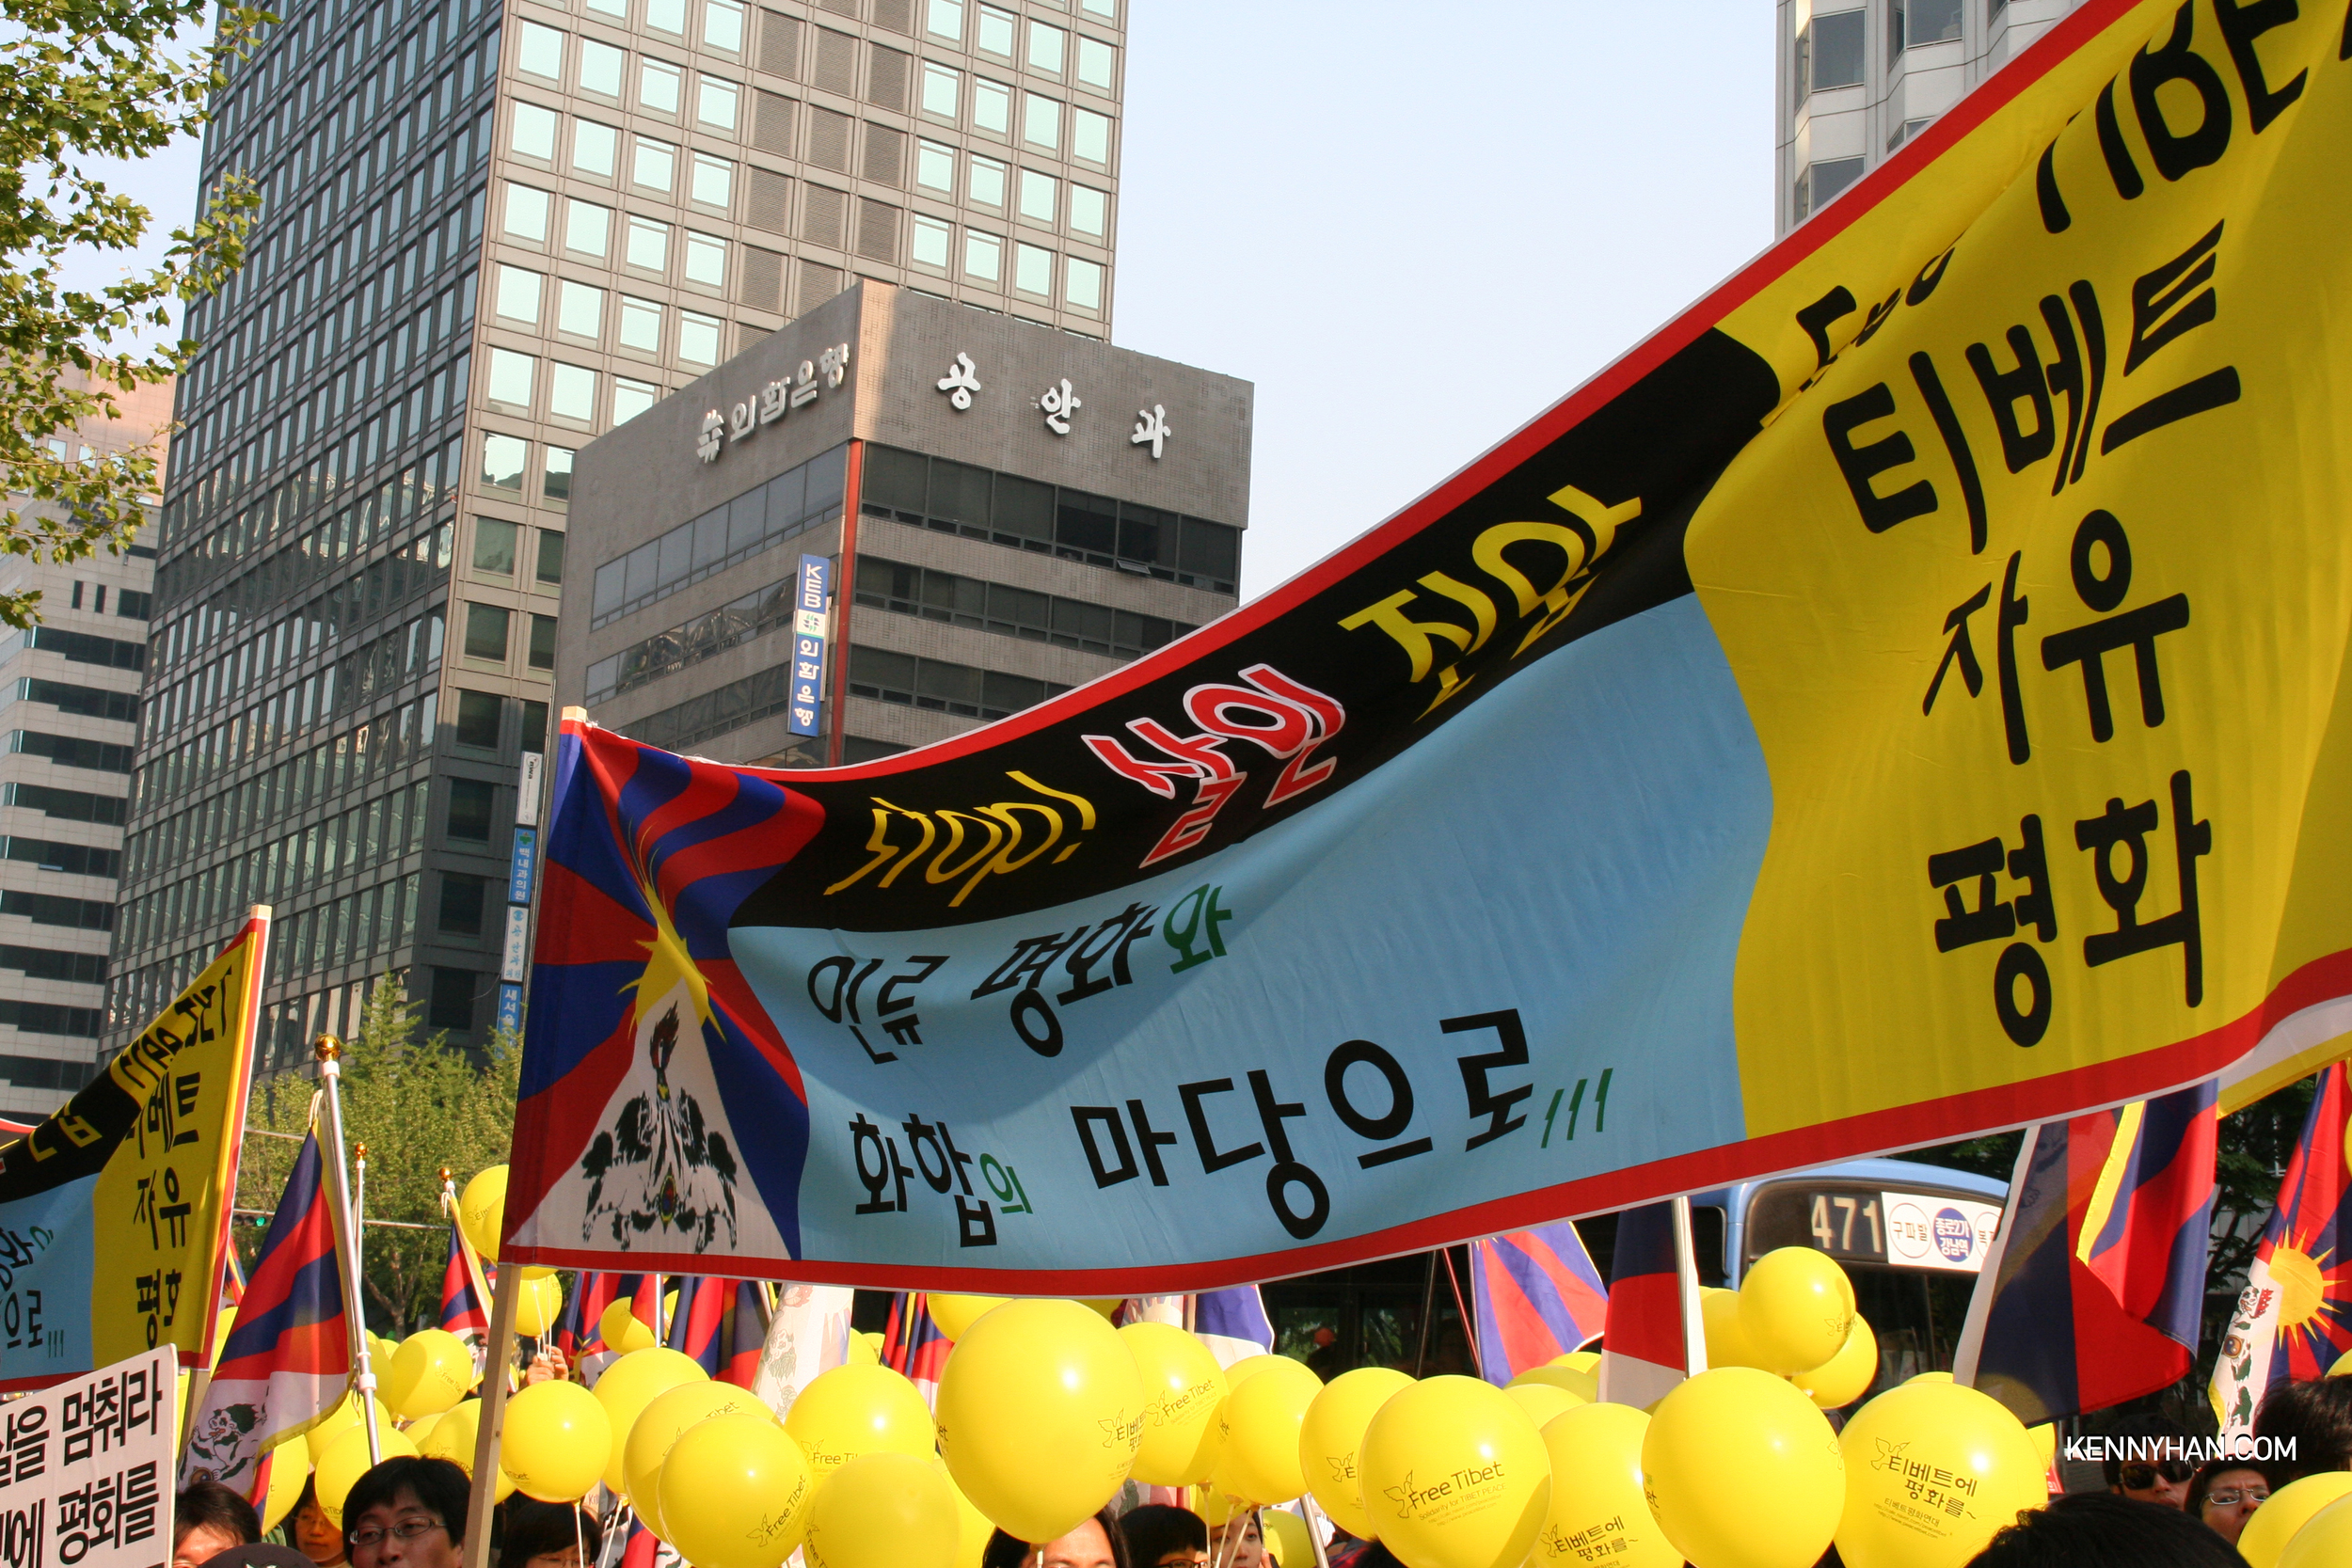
(2163, 1479)
(407, 1513)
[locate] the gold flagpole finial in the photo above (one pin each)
(327, 1049)
(360, 1153)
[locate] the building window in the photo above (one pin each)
(534, 727)
(666, 16)
(932, 239)
(526, 214)
(632, 398)
(1047, 47)
(543, 642)
(943, 19)
(984, 255)
(478, 716)
(452, 1006)
(705, 259)
(648, 245)
(580, 309)
(511, 377)
(985, 183)
(461, 904)
(657, 86)
(723, 26)
(1033, 271)
(502, 459)
(518, 294)
(714, 103)
(1090, 136)
(572, 393)
(555, 488)
(1088, 211)
(697, 339)
(587, 228)
(594, 148)
(641, 324)
(939, 87)
(541, 53)
(935, 168)
(486, 631)
(654, 167)
(992, 106)
(1829, 52)
(532, 132)
(1097, 64)
(601, 67)
(1039, 197)
(1819, 183)
(1108, 10)
(714, 181)
(997, 31)
(493, 547)
(1082, 283)
(550, 569)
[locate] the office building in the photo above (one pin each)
(69, 716)
(490, 234)
(973, 513)
(1857, 80)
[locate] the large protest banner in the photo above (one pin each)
(1903, 697)
(86, 1469)
(114, 1212)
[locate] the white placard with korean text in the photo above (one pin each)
(1946, 1233)
(86, 1469)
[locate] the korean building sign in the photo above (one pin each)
(808, 643)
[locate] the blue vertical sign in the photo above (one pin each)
(808, 643)
(523, 869)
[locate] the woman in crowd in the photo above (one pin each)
(1160, 1536)
(1095, 1543)
(1238, 1543)
(547, 1535)
(309, 1532)
(2225, 1494)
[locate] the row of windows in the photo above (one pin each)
(82, 647)
(593, 151)
(497, 545)
(344, 930)
(48, 1018)
(947, 92)
(87, 702)
(1031, 195)
(504, 461)
(1029, 269)
(936, 685)
(50, 908)
(594, 232)
(76, 860)
(1052, 50)
(689, 724)
(130, 603)
(70, 750)
(1010, 612)
(66, 805)
(737, 621)
(1830, 50)
(490, 629)
(722, 23)
(794, 502)
(39, 1072)
(1026, 514)
(1818, 184)
(482, 719)
(49, 963)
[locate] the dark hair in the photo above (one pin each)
(533, 1527)
(209, 1505)
(438, 1485)
(1005, 1551)
(2099, 1530)
(1155, 1530)
(2206, 1475)
(2139, 1426)
(2317, 1416)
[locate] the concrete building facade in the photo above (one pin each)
(69, 718)
(1856, 81)
(999, 512)
(491, 233)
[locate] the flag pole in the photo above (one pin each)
(1687, 1292)
(505, 1299)
(329, 1051)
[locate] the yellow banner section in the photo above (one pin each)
(2037, 585)
(161, 1203)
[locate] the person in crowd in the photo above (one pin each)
(1160, 1536)
(1095, 1543)
(208, 1519)
(1239, 1543)
(266, 1554)
(2161, 1480)
(309, 1532)
(2316, 1418)
(2225, 1494)
(548, 1535)
(2102, 1530)
(407, 1512)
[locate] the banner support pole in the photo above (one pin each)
(329, 1051)
(1687, 1292)
(506, 1297)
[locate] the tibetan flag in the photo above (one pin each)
(2294, 1319)
(1233, 1324)
(2091, 1293)
(576, 1328)
(696, 1320)
(125, 1192)
(1535, 1295)
(742, 1334)
(809, 1335)
(463, 1293)
(288, 1360)
(911, 1343)
(1653, 1341)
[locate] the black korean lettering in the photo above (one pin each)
(1955, 438)
(2029, 864)
(1390, 1122)
(2080, 374)
(1875, 318)
(896, 1013)
(2177, 152)
(2174, 299)
(172, 1211)
(1111, 940)
(1150, 1140)
(1990, 919)
(1930, 275)
(921, 1136)
(1960, 651)
(1483, 1099)
(1107, 1173)
(2136, 629)
(74, 1427)
(25, 1456)
(2012, 616)
(878, 1175)
(2055, 220)
(1204, 1141)
(976, 1223)
(1006, 1184)
(2126, 828)
(2129, 184)
(1862, 465)
(1288, 1171)
(1033, 1020)
(186, 1089)
(1032, 1017)
(1817, 319)
(2004, 390)
(1197, 938)
(139, 1502)
(833, 983)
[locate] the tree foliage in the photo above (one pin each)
(418, 1106)
(79, 79)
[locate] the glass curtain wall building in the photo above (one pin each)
(491, 233)
(1857, 80)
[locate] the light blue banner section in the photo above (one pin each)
(46, 1263)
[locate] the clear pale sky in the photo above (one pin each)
(1413, 226)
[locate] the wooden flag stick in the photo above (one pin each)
(505, 1299)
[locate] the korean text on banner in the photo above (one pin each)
(1903, 697)
(86, 1469)
(114, 1212)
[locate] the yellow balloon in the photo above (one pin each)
(1796, 1307)
(481, 1211)
(1726, 1345)
(1331, 1437)
(1928, 1377)
(2324, 1542)
(1596, 1505)
(627, 1386)
(955, 1315)
(1584, 1385)
(288, 1475)
(344, 1417)
(1846, 1376)
(533, 1271)
(624, 1331)
(735, 1492)
(1579, 1360)
(1214, 1505)
(852, 1409)
(453, 1438)
(1543, 1401)
(347, 1459)
(1742, 1471)
(1248, 1366)
(429, 1373)
(665, 1418)
(2263, 1541)
(1040, 1414)
(537, 1304)
(1286, 1539)
(1184, 1394)
(2343, 1363)
(1455, 1476)
(1108, 1305)
(1933, 1469)
(555, 1441)
(2045, 1444)
(1261, 1421)
(881, 1511)
(973, 1527)
(866, 1350)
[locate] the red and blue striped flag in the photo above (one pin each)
(1653, 1300)
(464, 1296)
(2093, 1290)
(696, 1319)
(288, 1358)
(1535, 1295)
(745, 1334)
(911, 1343)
